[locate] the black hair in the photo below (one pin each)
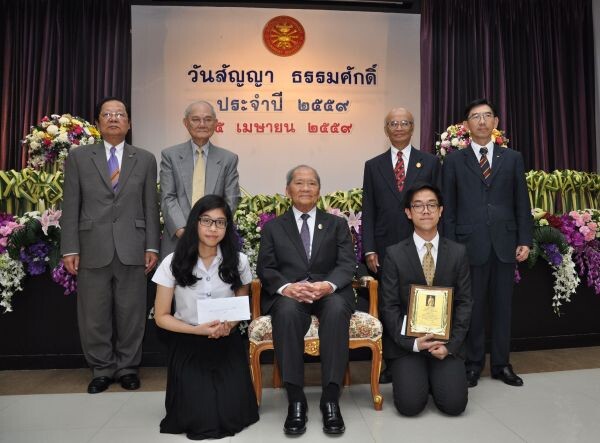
(185, 257)
(110, 99)
(419, 186)
(479, 102)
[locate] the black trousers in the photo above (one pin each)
(291, 320)
(415, 373)
(491, 284)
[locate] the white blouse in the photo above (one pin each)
(209, 285)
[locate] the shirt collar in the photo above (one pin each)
(204, 148)
(420, 242)
(404, 150)
(119, 148)
(215, 263)
(476, 148)
(297, 213)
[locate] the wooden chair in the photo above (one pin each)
(365, 331)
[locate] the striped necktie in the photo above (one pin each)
(113, 169)
(484, 164)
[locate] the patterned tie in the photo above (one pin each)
(198, 180)
(484, 164)
(399, 172)
(428, 264)
(305, 235)
(113, 169)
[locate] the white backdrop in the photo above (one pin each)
(169, 40)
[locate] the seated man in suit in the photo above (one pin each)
(422, 365)
(306, 263)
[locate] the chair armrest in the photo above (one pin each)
(255, 291)
(371, 284)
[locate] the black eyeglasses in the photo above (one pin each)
(220, 223)
(420, 207)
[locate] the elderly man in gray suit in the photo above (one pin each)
(193, 169)
(110, 240)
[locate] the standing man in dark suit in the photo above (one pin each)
(110, 240)
(386, 176)
(193, 169)
(423, 364)
(306, 264)
(487, 209)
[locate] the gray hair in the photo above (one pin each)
(290, 175)
(189, 108)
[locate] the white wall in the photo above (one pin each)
(168, 40)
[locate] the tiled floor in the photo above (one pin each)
(561, 406)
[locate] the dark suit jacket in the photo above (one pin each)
(384, 222)
(282, 260)
(401, 269)
(484, 215)
(176, 176)
(96, 223)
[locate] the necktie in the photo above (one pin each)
(198, 180)
(305, 235)
(428, 264)
(113, 169)
(484, 164)
(399, 172)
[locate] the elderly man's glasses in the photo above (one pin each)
(117, 115)
(207, 222)
(481, 115)
(404, 124)
(420, 207)
(196, 121)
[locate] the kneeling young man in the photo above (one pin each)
(422, 365)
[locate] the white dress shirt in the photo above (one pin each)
(210, 285)
(490, 148)
(405, 156)
(118, 151)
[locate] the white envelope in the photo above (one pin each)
(224, 309)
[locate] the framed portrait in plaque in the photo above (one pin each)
(429, 311)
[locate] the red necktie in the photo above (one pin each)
(399, 172)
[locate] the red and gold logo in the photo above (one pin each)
(283, 35)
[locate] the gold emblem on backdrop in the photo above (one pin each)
(283, 35)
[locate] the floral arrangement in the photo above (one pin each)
(30, 245)
(570, 244)
(49, 141)
(458, 137)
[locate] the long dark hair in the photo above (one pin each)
(186, 251)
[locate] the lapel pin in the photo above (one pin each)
(320, 226)
(418, 164)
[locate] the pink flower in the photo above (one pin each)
(354, 220)
(587, 217)
(335, 211)
(49, 218)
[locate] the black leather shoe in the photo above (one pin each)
(99, 384)
(131, 382)
(295, 422)
(472, 378)
(508, 376)
(333, 423)
(385, 377)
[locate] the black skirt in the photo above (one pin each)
(209, 389)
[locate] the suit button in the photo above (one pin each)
(207, 278)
